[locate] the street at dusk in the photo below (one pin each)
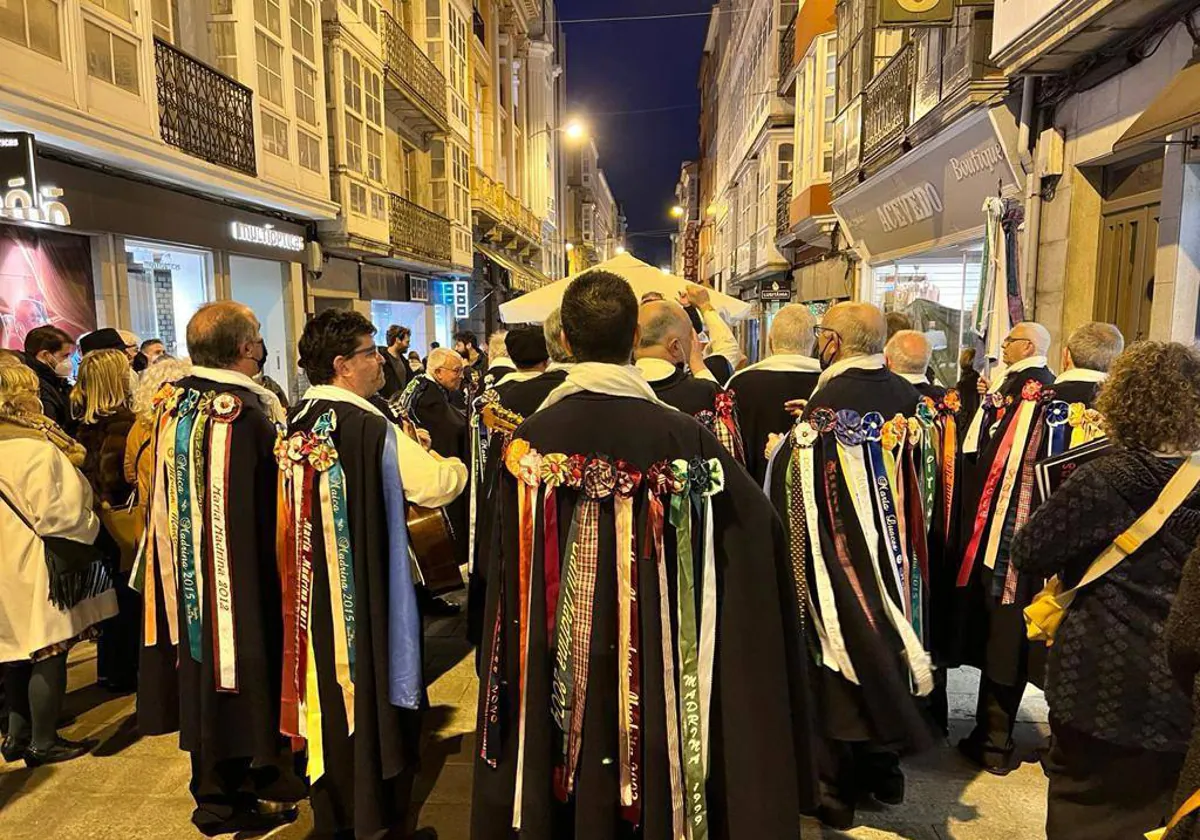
(600, 419)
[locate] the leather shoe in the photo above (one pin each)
(257, 820)
(60, 750)
(12, 749)
(890, 789)
(838, 817)
(996, 762)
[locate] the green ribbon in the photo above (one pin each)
(345, 559)
(689, 654)
(187, 546)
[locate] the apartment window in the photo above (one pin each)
(373, 85)
(306, 91)
(374, 154)
(270, 68)
(267, 15)
(354, 143)
(437, 177)
(378, 206)
(304, 28)
(222, 35)
(32, 24)
(887, 44)
(352, 76)
(120, 8)
(370, 15)
(308, 149)
(587, 222)
(162, 19)
(462, 184)
(459, 79)
(358, 199)
(351, 4)
(275, 134)
(433, 31)
(110, 57)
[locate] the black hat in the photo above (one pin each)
(526, 346)
(104, 339)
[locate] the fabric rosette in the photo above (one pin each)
(804, 433)
(1075, 413)
(889, 436)
(1057, 413)
(555, 470)
(281, 451)
(298, 447)
(914, 429)
(599, 478)
(225, 407)
(518, 448)
(926, 410)
(872, 426)
(706, 477)
(849, 430)
(187, 402)
(679, 476)
(707, 419)
(529, 468)
(575, 467)
(166, 397)
(659, 478)
(1031, 390)
(321, 455)
(824, 419)
(993, 400)
(629, 478)
(723, 403)
(325, 425)
(952, 401)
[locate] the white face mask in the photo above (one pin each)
(63, 369)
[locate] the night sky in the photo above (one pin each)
(637, 66)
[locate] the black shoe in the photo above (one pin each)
(60, 750)
(256, 821)
(889, 790)
(996, 762)
(440, 608)
(12, 749)
(837, 817)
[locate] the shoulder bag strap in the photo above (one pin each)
(1181, 485)
(18, 512)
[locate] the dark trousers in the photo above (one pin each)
(852, 769)
(223, 789)
(1101, 791)
(995, 717)
(333, 816)
(120, 637)
(938, 701)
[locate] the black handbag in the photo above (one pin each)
(77, 570)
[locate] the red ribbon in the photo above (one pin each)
(296, 598)
(999, 462)
(551, 559)
(839, 539)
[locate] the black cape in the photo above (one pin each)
(881, 709)
(760, 397)
(991, 635)
(759, 724)
(934, 392)
(527, 397)
(222, 725)
(685, 392)
(720, 367)
(368, 776)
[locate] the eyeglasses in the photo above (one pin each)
(818, 329)
(362, 351)
(1011, 340)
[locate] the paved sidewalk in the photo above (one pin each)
(134, 787)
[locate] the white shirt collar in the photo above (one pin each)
(783, 363)
(914, 378)
(232, 377)
(655, 370)
(871, 362)
(1081, 375)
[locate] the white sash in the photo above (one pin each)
(222, 577)
(1012, 469)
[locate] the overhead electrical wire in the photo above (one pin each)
(625, 18)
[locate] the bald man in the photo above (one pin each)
(212, 659)
(1090, 351)
(1007, 435)
(823, 487)
(665, 353)
(908, 355)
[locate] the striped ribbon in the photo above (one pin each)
(949, 470)
(562, 696)
(1024, 509)
(584, 566)
(1024, 424)
(221, 583)
(985, 504)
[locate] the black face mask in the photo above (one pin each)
(262, 362)
(834, 343)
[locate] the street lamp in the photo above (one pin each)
(573, 130)
(665, 269)
(677, 212)
(620, 249)
(569, 247)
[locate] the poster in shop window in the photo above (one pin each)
(45, 278)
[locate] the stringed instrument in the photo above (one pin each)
(431, 539)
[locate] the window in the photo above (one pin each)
(120, 8)
(459, 79)
(110, 57)
(32, 24)
(275, 134)
(306, 91)
(351, 4)
(374, 155)
(354, 143)
(433, 31)
(358, 199)
(378, 206)
(222, 36)
(304, 28)
(370, 15)
(162, 18)
(372, 84)
(267, 15)
(308, 148)
(352, 75)
(461, 172)
(270, 68)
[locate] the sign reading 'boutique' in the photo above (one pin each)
(932, 194)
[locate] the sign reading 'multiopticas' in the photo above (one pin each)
(266, 235)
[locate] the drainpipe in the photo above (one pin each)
(1033, 198)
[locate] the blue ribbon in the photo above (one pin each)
(888, 515)
(1057, 413)
(187, 549)
(404, 622)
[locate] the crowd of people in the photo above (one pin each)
(707, 596)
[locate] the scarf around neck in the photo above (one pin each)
(603, 378)
(875, 361)
(38, 427)
(782, 363)
(270, 403)
(1081, 375)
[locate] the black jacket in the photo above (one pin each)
(55, 393)
(1183, 653)
(685, 392)
(1108, 674)
(396, 374)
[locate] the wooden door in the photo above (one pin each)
(1125, 288)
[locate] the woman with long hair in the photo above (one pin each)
(1120, 722)
(44, 608)
(100, 405)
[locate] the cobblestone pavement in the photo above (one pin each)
(134, 787)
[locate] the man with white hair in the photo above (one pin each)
(908, 354)
(763, 389)
(1090, 351)
(1007, 436)
(830, 485)
(500, 364)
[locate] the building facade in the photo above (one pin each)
(176, 151)
(595, 225)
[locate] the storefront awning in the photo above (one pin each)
(1175, 108)
(522, 277)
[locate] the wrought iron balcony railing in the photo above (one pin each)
(787, 49)
(887, 101)
(783, 210)
(411, 69)
(204, 112)
(417, 232)
(492, 198)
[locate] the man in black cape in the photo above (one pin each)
(1090, 351)
(1007, 433)
(526, 349)
(668, 356)
(601, 584)
(526, 397)
(352, 670)
(908, 355)
(500, 364)
(210, 665)
(763, 389)
(873, 661)
(722, 355)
